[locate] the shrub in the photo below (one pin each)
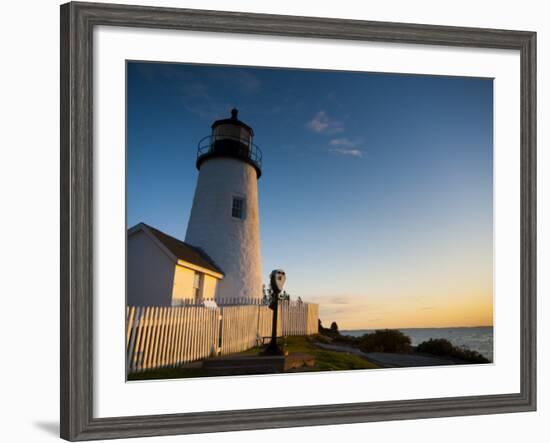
(436, 346)
(443, 347)
(330, 332)
(385, 340)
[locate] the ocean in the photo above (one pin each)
(478, 339)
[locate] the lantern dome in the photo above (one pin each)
(230, 137)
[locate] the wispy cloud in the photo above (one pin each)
(350, 152)
(342, 142)
(338, 299)
(344, 146)
(321, 123)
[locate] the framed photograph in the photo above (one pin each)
(274, 221)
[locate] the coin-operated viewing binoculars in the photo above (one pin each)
(277, 280)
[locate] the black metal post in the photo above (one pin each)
(273, 347)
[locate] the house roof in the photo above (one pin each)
(182, 251)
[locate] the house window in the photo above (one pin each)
(237, 209)
(197, 286)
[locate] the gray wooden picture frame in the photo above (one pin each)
(77, 23)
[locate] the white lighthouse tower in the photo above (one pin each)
(224, 219)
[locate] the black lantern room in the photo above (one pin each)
(230, 138)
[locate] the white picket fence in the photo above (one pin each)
(229, 301)
(159, 337)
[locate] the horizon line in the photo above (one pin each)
(419, 327)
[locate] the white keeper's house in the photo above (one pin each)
(164, 271)
(220, 258)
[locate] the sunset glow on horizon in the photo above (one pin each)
(372, 312)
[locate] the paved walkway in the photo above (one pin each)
(391, 360)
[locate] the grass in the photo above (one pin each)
(340, 361)
(167, 373)
(324, 361)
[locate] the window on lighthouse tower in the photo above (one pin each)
(237, 209)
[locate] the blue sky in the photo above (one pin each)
(376, 193)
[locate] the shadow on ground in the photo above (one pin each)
(49, 427)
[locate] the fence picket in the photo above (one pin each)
(146, 350)
(163, 334)
(187, 354)
(132, 326)
(179, 356)
(129, 320)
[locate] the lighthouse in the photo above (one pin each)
(224, 219)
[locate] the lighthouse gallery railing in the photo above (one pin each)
(242, 147)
